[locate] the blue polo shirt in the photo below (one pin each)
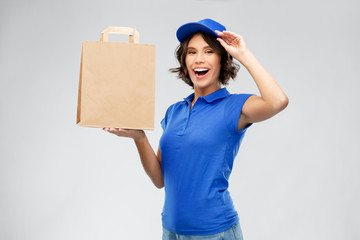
(198, 148)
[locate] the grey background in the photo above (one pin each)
(295, 177)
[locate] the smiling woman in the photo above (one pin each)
(228, 68)
(202, 134)
(203, 64)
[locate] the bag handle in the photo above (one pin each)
(132, 32)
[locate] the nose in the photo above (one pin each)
(199, 58)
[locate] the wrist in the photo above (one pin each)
(140, 138)
(245, 58)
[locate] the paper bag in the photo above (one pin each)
(117, 82)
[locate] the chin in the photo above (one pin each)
(202, 84)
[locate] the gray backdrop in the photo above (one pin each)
(295, 177)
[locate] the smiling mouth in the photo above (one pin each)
(201, 73)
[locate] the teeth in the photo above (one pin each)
(200, 70)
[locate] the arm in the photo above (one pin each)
(150, 161)
(272, 99)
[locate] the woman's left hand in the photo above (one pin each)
(233, 44)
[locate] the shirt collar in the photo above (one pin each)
(221, 93)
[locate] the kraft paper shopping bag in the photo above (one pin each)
(117, 82)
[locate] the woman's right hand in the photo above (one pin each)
(131, 133)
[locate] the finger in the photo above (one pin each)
(122, 129)
(231, 34)
(225, 33)
(226, 40)
(223, 43)
(115, 132)
(219, 33)
(112, 130)
(229, 38)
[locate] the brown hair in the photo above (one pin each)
(229, 69)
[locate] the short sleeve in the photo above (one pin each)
(164, 121)
(233, 110)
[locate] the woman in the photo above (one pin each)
(203, 133)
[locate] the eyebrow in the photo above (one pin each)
(207, 46)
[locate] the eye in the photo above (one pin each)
(209, 51)
(191, 52)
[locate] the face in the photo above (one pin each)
(203, 64)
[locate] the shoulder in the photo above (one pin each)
(174, 106)
(239, 98)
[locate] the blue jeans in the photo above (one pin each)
(233, 233)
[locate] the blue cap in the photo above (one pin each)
(206, 25)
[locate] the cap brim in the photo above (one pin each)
(193, 27)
